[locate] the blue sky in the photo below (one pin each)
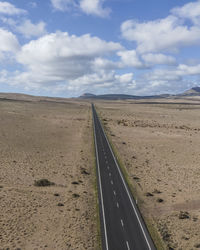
(68, 47)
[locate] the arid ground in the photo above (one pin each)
(159, 145)
(53, 141)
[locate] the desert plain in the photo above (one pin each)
(157, 142)
(40, 139)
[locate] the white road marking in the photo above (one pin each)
(136, 213)
(109, 174)
(127, 244)
(117, 204)
(100, 187)
(114, 192)
(108, 167)
(111, 182)
(105, 157)
(106, 162)
(122, 223)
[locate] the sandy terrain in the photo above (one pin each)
(159, 146)
(53, 141)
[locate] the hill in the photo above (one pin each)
(192, 92)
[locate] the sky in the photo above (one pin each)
(66, 48)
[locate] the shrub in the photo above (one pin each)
(43, 183)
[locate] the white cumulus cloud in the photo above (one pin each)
(190, 10)
(59, 58)
(166, 34)
(63, 5)
(154, 59)
(184, 69)
(7, 8)
(29, 29)
(8, 41)
(94, 7)
(89, 7)
(130, 58)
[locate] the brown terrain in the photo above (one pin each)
(40, 139)
(159, 147)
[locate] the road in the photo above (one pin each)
(122, 227)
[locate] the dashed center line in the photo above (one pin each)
(117, 204)
(111, 182)
(109, 174)
(127, 244)
(122, 223)
(114, 192)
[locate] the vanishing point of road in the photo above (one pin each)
(122, 227)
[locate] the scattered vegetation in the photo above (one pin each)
(183, 215)
(84, 171)
(160, 200)
(148, 194)
(156, 191)
(56, 194)
(76, 195)
(75, 183)
(43, 183)
(60, 204)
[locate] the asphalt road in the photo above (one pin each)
(122, 227)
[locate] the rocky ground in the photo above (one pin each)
(159, 146)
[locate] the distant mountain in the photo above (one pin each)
(87, 95)
(191, 92)
(120, 96)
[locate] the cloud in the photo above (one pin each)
(102, 82)
(57, 59)
(89, 7)
(190, 11)
(166, 34)
(61, 45)
(94, 7)
(8, 41)
(129, 58)
(154, 59)
(25, 27)
(28, 29)
(100, 63)
(7, 8)
(9, 46)
(163, 75)
(63, 5)
(153, 39)
(184, 69)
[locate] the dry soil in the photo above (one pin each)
(51, 140)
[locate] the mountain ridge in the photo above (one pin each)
(195, 91)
